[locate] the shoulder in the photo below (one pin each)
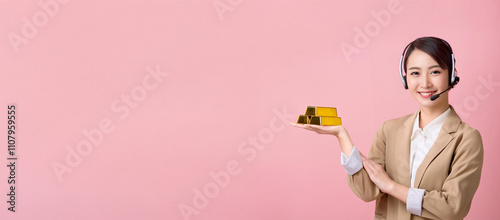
(466, 139)
(460, 129)
(465, 132)
(397, 123)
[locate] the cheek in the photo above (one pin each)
(442, 82)
(412, 83)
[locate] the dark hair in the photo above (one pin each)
(437, 48)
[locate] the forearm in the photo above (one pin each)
(362, 186)
(345, 142)
(381, 179)
(398, 191)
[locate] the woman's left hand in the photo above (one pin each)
(378, 175)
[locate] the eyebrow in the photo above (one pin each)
(411, 68)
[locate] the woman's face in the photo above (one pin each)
(426, 78)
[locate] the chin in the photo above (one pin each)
(433, 104)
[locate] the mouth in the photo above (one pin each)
(427, 94)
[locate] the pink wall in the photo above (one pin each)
(144, 102)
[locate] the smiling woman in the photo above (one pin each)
(430, 68)
(426, 165)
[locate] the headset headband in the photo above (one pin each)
(453, 78)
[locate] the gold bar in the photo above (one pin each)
(325, 120)
(303, 119)
(321, 111)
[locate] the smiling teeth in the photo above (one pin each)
(426, 93)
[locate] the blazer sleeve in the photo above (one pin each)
(360, 183)
(453, 201)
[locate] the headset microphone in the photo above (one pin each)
(434, 97)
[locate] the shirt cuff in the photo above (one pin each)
(414, 201)
(353, 163)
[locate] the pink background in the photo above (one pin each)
(231, 78)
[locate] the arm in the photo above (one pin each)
(454, 199)
(451, 198)
(359, 182)
(378, 175)
(338, 131)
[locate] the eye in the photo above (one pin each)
(414, 73)
(436, 72)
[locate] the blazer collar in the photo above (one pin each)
(444, 137)
(403, 150)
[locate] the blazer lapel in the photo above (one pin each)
(403, 139)
(444, 138)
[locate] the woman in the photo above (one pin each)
(425, 165)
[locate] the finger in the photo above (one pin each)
(296, 125)
(316, 128)
(375, 168)
(368, 159)
(363, 156)
(368, 169)
(313, 126)
(371, 164)
(308, 127)
(367, 165)
(300, 125)
(303, 126)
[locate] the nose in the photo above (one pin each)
(426, 81)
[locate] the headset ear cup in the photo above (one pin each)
(457, 79)
(405, 83)
(403, 77)
(454, 78)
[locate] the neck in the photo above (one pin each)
(428, 114)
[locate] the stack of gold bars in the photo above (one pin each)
(320, 116)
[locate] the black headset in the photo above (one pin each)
(453, 78)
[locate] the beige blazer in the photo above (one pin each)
(449, 173)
